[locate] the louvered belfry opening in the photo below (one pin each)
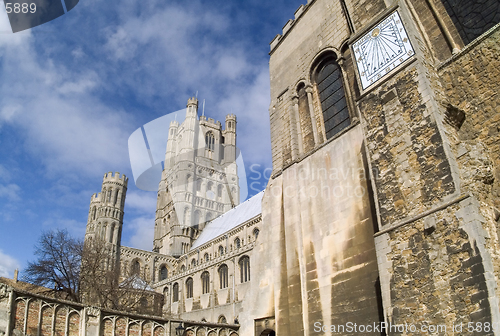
(473, 17)
(332, 97)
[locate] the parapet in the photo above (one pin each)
(116, 177)
(96, 198)
(231, 117)
(286, 28)
(192, 101)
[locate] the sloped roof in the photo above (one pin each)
(135, 282)
(231, 219)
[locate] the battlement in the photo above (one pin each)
(204, 120)
(231, 117)
(109, 176)
(192, 101)
(288, 25)
(96, 197)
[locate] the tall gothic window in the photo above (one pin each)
(175, 292)
(163, 273)
(210, 141)
(197, 216)
(221, 250)
(198, 184)
(473, 17)
(189, 288)
(244, 268)
(223, 276)
(330, 87)
(205, 282)
(256, 233)
(112, 232)
(193, 263)
(237, 243)
(136, 267)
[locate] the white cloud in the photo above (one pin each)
(143, 233)
(5, 174)
(141, 201)
(7, 265)
(10, 191)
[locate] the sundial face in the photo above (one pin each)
(381, 50)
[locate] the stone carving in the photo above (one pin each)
(4, 291)
(93, 311)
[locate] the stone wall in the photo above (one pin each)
(23, 313)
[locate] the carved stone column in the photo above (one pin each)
(311, 111)
(298, 131)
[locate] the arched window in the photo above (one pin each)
(193, 263)
(197, 215)
(223, 276)
(136, 267)
(221, 250)
(205, 282)
(116, 197)
(210, 141)
(222, 319)
(237, 243)
(330, 87)
(165, 293)
(219, 191)
(175, 292)
(186, 216)
(112, 232)
(93, 213)
(206, 257)
(208, 217)
(244, 268)
(256, 233)
(189, 288)
(198, 184)
(183, 269)
(473, 18)
(108, 199)
(163, 273)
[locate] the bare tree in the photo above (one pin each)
(58, 263)
(89, 272)
(101, 286)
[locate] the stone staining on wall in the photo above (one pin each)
(319, 211)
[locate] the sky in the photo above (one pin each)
(74, 89)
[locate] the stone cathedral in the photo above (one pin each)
(382, 214)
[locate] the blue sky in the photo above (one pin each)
(74, 89)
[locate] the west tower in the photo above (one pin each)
(199, 181)
(105, 219)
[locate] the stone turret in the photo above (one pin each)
(105, 219)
